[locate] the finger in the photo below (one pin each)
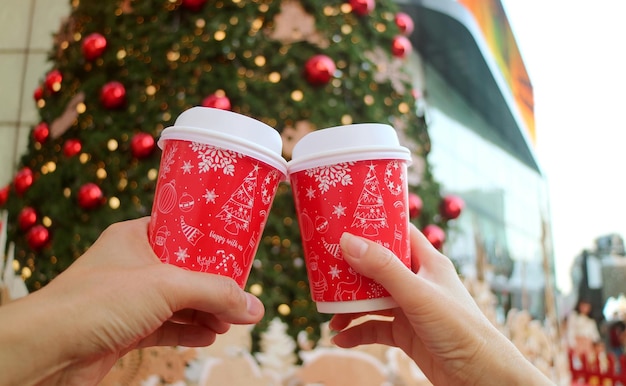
(373, 331)
(340, 321)
(380, 264)
(424, 254)
(126, 238)
(199, 318)
(212, 294)
(177, 334)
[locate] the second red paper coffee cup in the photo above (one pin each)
(349, 179)
(217, 179)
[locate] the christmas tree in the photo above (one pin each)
(370, 211)
(121, 71)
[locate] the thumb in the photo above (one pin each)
(380, 264)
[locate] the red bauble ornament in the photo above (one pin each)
(38, 93)
(53, 81)
(451, 207)
(23, 180)
(435, 235)
(401, 46)
(37, 237)
(93, 46)
(27, 218)
(4, 195)
(41, 132)
(217, 101)
(415, 205)
(142, 145)
(193, 5)
(71, 147)
(319, 70)
(113, 95)
(90, 196)
(362, 7)
(404, 23)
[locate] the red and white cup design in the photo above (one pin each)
(350, 179)
(218, 176)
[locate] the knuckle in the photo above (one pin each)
(446, 264)
(384, 259)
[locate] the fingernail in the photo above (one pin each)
(253, 306)
(355, 246)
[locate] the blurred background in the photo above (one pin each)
(522, 104)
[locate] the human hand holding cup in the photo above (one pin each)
(352, 179)
(218, 176)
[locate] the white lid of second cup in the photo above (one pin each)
(356, 142)
(228, 130)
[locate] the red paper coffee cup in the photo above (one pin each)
(349, 179)
(218, 175)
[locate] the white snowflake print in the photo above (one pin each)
(182, 255)
(339, 210)
(310, 193)
(186, 168)
(334, 272)
(215, 158)
(330, 176)
(210, 196)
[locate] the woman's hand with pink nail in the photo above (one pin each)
(437, 323)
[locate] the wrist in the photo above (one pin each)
(29, 353)
(504, 364)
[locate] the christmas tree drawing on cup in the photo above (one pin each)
(236, 211)
(370, 214)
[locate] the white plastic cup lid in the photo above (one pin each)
(356, 142)
(228, 130)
